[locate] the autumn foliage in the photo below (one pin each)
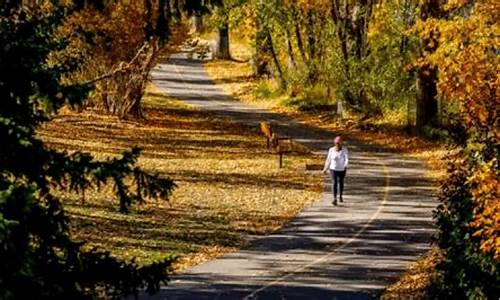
(119, 44)
(380, 56)
(468, 63)
(40, 63)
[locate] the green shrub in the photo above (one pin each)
(315, 98)
(265, 90)
(38, 259)
(466, 272)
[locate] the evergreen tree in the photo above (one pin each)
(38, 258)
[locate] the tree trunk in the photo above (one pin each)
(162, 29)
(262, 47)
(289, 48)
(222, 45)
(311, 39)
(358, 29)
(177, 11)
(275, 59)
(427, 106)
(408, 15)
(135, 109)
(341, 27)
(197, 23)
(104, 95)
(312, 69)
(300, 43)
(148, 22)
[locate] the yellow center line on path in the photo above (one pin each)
(332, 251)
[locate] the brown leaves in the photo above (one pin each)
(229, 185)
(414, 282)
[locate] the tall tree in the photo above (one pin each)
(262, 52)
(222, 10)
(222, 41)
(468, 218)
(351, 20)
(265, 49)
(119, 43)
(292, 64)
(197, 22)
(427, 103)
(38, 258)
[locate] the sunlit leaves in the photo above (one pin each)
(465, 54)
(228, 190)
(486, 194)
(468, 62)
(468, 74)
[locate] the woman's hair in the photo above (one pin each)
(338, 142)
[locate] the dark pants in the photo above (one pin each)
(338, 182)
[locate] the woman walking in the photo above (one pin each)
(336, 162)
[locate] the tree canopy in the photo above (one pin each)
(38, 258)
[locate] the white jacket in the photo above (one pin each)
(336, 160)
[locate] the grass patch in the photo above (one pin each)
(229, 185)
(312, 99)
(236, 79)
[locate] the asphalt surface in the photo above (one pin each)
(350, 251)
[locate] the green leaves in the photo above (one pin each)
(467, 272)
(38, 258)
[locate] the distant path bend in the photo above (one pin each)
(351, 251)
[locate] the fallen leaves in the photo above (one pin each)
(416, 279)
(229, 185)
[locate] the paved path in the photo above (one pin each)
(351, 251)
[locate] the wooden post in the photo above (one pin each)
(281, 156)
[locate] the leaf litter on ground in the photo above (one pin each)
(229, 183)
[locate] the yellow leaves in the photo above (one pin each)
(228, 182)
(486, 195)
(320, 6)
(454, 4)
(381, 21)
(465, 57)
(416, 279)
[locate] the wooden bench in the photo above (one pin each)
(272, 138)
(276, 141)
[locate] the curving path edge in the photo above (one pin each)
(351, 251)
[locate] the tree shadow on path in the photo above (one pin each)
(349, 251)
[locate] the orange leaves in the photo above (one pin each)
(466, 59)
(486, 194)
(466, 56)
